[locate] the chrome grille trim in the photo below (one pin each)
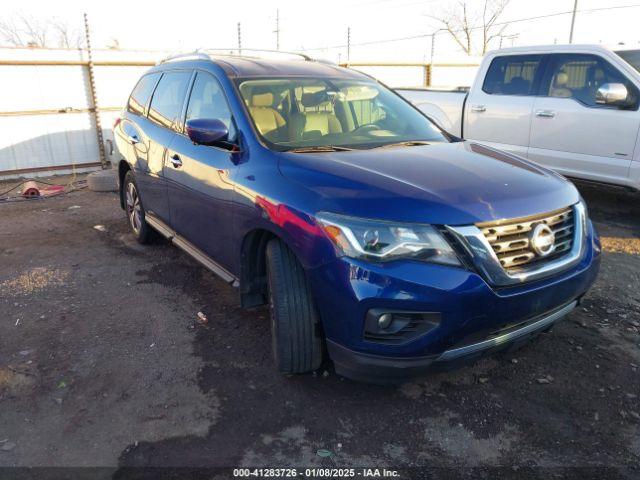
(510, 238)
(569, 249)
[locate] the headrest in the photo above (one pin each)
(262, 99)
(562, 79)
(313, 99)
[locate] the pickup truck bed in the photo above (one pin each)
(444, 107)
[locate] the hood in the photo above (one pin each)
(447, 184)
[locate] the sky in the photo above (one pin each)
(311, 26)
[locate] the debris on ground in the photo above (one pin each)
(545, 380)
(202, 318)
(324, 453)
(100, 228)
(7, 446)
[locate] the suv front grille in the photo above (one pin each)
(511, 242)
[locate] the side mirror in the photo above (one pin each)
(612, 94)
(207, 131)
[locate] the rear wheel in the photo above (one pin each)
(295, 330)
(135, 211)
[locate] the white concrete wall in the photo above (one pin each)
(54, 140)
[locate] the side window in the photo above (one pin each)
(579, 76)
(512, 75)
(207, 100)
(141, 93)
(167, 101)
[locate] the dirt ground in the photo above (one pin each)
(103, 363)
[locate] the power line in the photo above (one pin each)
(424, 35)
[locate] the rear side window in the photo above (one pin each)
(512, 75)
(579, 76)
(167, 101)
(141, 93)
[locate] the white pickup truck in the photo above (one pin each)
(572, 108)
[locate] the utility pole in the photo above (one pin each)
(94, 97)
(277, 30)
(573, 20)
(348, 44)
(239, 38)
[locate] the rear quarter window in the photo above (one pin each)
(141, 93)
(512, 75)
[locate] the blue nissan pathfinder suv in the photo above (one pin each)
(375, 237)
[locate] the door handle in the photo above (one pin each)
(478, 108)
(175, 161)
(545, 113)
(133, 139)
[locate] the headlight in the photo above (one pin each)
(384, 241)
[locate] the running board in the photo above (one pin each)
(197, 254)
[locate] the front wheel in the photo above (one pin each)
(135, 210)
(295, 330)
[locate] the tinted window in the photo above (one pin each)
(207, 100)
(579, 76)
(141, 93)
(167, 101)
(632, 57)
(512, 75)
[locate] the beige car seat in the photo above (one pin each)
(318, 122)
(267, 119)
(559, 86)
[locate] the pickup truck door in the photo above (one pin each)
(573, 134)
(498, 110)
(200, 178)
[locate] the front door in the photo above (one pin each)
(573, 134)
(201, 178)
(498, 113)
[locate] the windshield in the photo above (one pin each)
(299, 113)
(632, 57)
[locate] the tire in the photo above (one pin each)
(295, 331)
(134, 210)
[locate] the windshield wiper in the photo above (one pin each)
(408, 143)
(321, 148)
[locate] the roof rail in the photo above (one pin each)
(205, 53)
(195, 55)
(230, 52)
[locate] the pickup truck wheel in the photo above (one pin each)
(295, 336)
(135, 211)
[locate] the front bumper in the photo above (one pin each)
(475, 319)
(379, 369)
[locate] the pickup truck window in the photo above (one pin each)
(579, 76)
(512, 75)
(632, 57)
(141, 93)
(167, 101)
(297, 113)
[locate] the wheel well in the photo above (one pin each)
(253, 268)
(123, 168)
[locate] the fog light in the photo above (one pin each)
(384, 321)
(383, 325)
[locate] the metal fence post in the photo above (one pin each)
(94, 98)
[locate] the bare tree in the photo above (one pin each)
(67, 37)
(27, 31)
(461, 22)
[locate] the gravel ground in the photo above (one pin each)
(103, 362)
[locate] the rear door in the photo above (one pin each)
(159, 130)
(201, 178)
(498, 111)
(573, 134)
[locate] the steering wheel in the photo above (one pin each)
(367, 127)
